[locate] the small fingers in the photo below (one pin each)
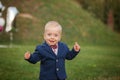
(27, 55)
(76, 46)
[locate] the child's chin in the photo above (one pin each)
(52, 44)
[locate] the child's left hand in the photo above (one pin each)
(76, 47)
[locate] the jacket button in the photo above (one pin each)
(57, 69)
(56, 60)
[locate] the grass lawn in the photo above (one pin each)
(93, 63)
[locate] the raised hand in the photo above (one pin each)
(27, 55)
(76, 47)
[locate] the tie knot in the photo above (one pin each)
(53, 46)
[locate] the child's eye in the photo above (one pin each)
(56, 35)
(49, 34)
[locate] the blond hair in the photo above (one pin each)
(53, 24)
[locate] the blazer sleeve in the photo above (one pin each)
(35, 57)
(71, 54)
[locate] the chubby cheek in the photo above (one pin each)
(45, 37)
(59, 38)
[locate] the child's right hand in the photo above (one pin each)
(27, 55)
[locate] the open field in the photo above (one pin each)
(99, 58)
(93, 63)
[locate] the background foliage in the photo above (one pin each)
(100, 46)
(101, 9)
(78, 24)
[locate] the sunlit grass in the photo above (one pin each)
(93, 63)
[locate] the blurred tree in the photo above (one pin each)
(106, 10)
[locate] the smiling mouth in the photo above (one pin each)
(52, 41)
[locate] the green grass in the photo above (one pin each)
(100, 53)
(93, 63)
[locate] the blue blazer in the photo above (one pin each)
(52, 66)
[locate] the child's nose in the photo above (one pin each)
(52, 37)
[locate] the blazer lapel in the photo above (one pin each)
(48, 48)
(59, 50)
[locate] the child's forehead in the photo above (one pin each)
(53, 28)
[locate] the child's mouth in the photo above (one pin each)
(52, 41)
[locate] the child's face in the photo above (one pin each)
(52, 35)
